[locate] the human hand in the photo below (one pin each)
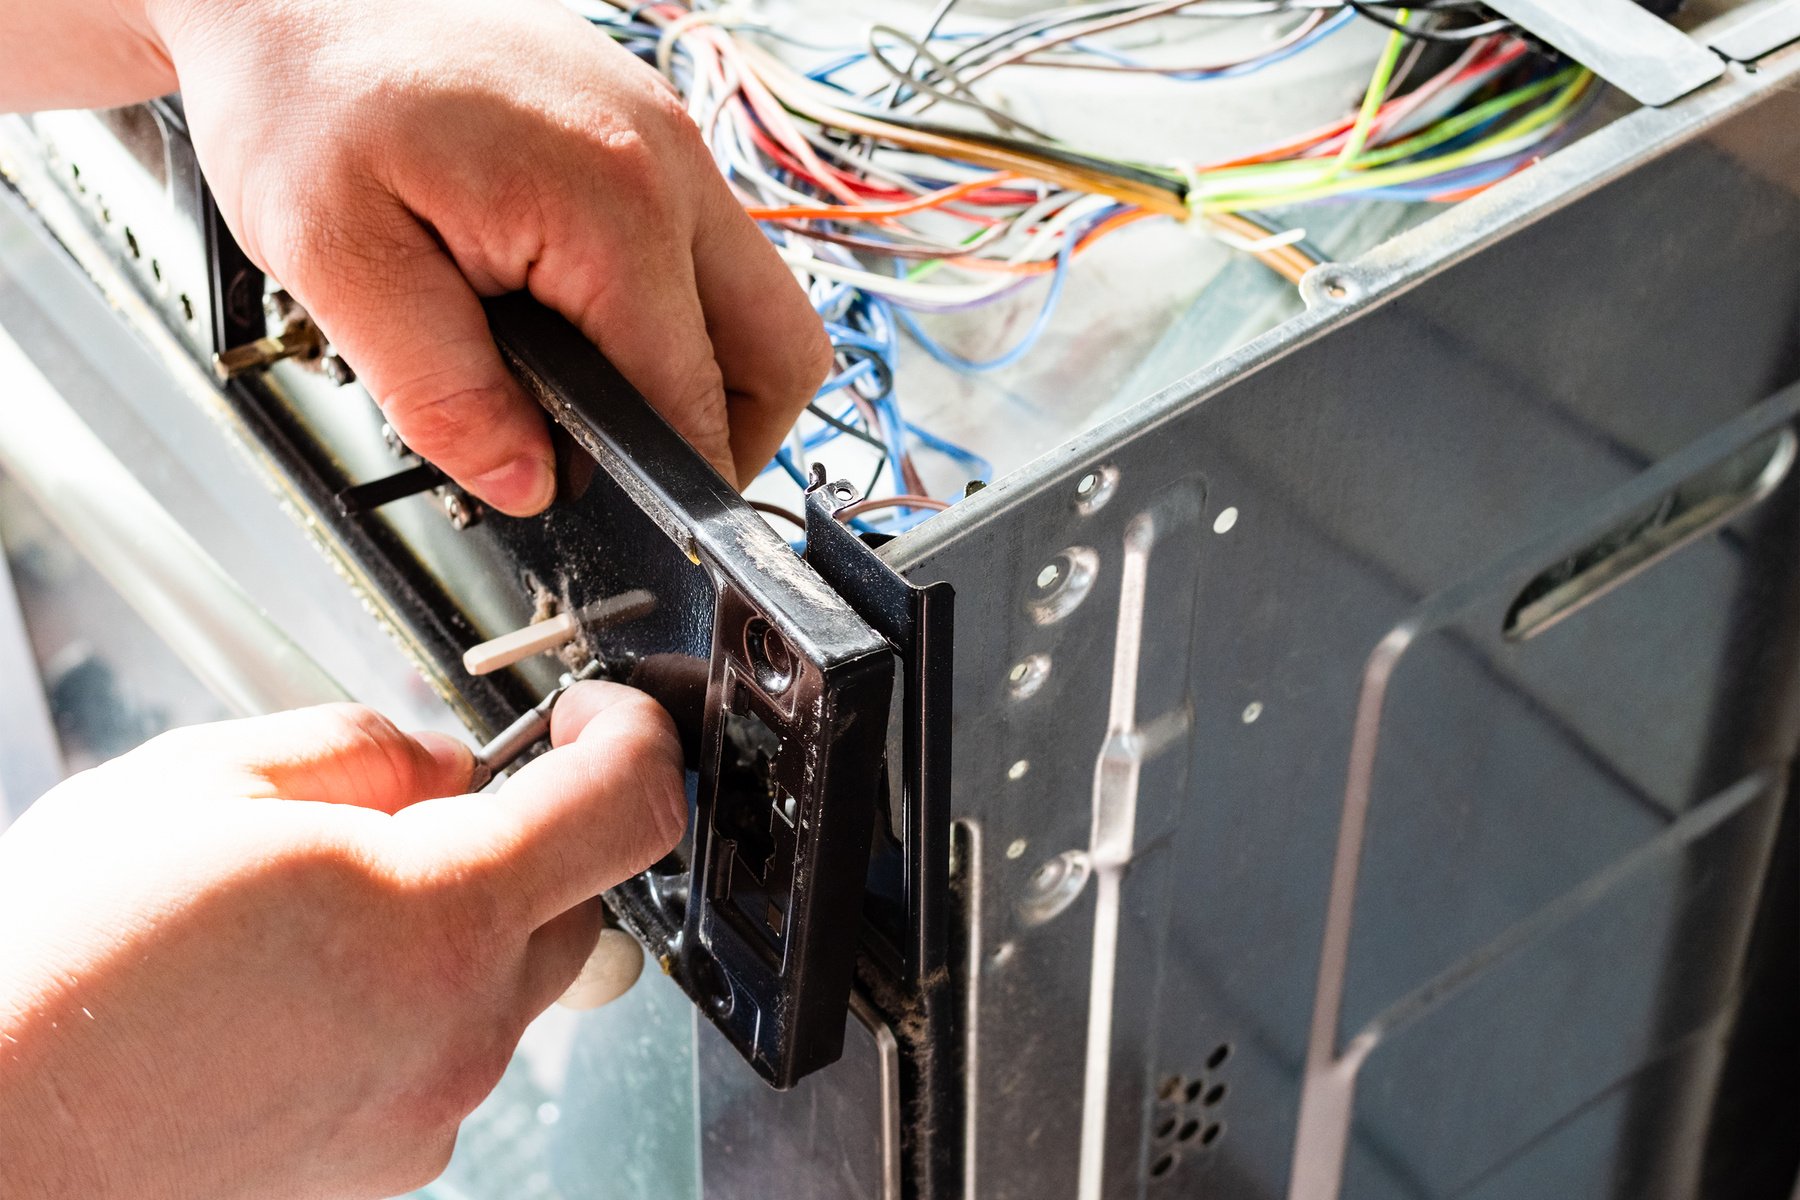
(264, 958)
(388, 160)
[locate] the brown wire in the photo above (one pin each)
(806, 98)
(904, 501)
(1290, 262)
(775, 510)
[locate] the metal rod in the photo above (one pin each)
(532, 727)
(552, 632)
(364, 497)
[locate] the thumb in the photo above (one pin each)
(338, 753)
(604, 804)
(401, 313)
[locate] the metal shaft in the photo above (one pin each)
(532, 727)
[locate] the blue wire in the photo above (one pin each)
(984, 470)
(1325, 29)
(1020, 349)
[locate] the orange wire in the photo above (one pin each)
(879, 212)
(1113, 223)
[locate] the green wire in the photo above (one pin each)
(1358, 138)
(1410, 172)
(1373, 98)
(1453, 127)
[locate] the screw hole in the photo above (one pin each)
(1028, 675)
(1217, 1058)
(1094, 489)
(1194, 1089)
(1165, 1127)
(1162, 1166)
(1214, 1094)
(1062, 584)
(1053, 886)
(1188, 1131)
(1211, 1135)
(770, 656)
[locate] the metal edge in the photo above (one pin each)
(1387, 271)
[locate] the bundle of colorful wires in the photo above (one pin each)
(886, 213)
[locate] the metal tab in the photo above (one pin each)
(1637, 52)
(1759, 31)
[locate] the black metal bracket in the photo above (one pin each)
(909, 874)
(782, 691)
(236, 283)
(907, 898)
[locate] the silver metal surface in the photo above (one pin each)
(137, 393)
(1758, 30)
(1637, 52)
(30, 756)
(887, 1054)
(533, 726)
(1495, 375)
(200, 611)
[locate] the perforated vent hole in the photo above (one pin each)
(1187, 1117)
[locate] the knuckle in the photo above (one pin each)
(176, 742)
(415, 1159)
(381, 753)
(467, 1067)
(645, 730)
(435, 416)
(635, 165)
(813, 357)
(695, 405)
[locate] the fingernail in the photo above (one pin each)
(522, 488)
(450, 756)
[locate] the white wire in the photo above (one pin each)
(887, 285)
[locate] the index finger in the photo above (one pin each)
(769, 343)
(417, 335)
